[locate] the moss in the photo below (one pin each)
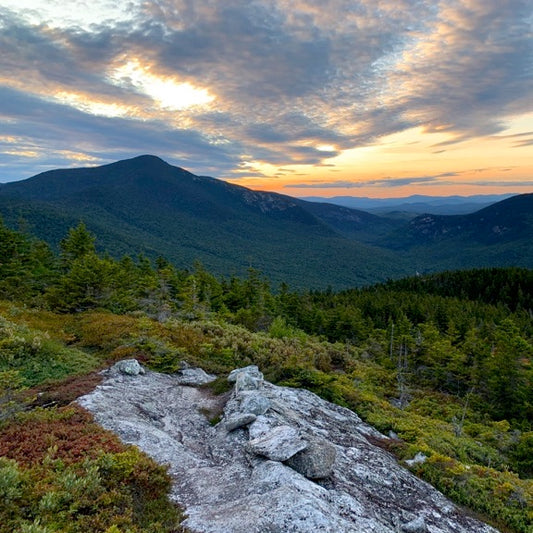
(219, 386)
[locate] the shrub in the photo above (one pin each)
(37, 357)
(61, 472)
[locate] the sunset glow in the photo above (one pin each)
(365, 99)
(167, 92)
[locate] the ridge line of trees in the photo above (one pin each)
(447, 336)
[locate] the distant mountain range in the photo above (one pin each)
(415, 204)
(144, 205)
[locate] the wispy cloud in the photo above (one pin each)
(272, 82)
(389, 183)
(383, 182)
(445, 178)
(493, 183)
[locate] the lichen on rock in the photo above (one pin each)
(241, 476)
(128, 367)
(316, 460)
(279, 444)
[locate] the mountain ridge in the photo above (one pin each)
(495, 221)
(171, 212)
(415, 203)
(146, 206)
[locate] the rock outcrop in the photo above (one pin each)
(280, 459)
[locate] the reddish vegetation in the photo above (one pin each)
(67, 391)
(128, 352)
(71, 430)
(392, 445)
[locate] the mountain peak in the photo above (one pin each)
(143, 160)
(140, 163)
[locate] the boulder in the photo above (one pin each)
(247, 378)
(251, 370)
(128, 367)
(247, 382)
(194, 377)
(279, 444)
(253, 402)
(316, 460)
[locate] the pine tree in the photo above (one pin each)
(79, 242)
(507, 387)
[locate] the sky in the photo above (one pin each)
(378, 98)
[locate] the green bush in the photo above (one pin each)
(82, 483)
(36, 357)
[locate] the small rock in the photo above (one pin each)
(419, 458)
(129, 367)
(316, 461)
(255, 403)
(194, 376)
(279, 444)
(261, 427)
(240, 421)
(252, 370)
(418, 525)
(247, 378)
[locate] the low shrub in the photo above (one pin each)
(59, 471)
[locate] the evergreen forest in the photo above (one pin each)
(440, 364)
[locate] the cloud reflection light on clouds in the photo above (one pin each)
(336, 91)
(167, 92)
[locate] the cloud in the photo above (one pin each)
(383, 182)
(520, 140)
(525, 142)
(55, 128)
(280, 78)
(515, 183)
(468, 70)
(391, 182)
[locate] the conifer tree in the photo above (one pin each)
(78, 242)
(508, 389)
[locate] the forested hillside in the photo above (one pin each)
(145, 205)
(441, 364)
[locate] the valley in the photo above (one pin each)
(145, 206)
